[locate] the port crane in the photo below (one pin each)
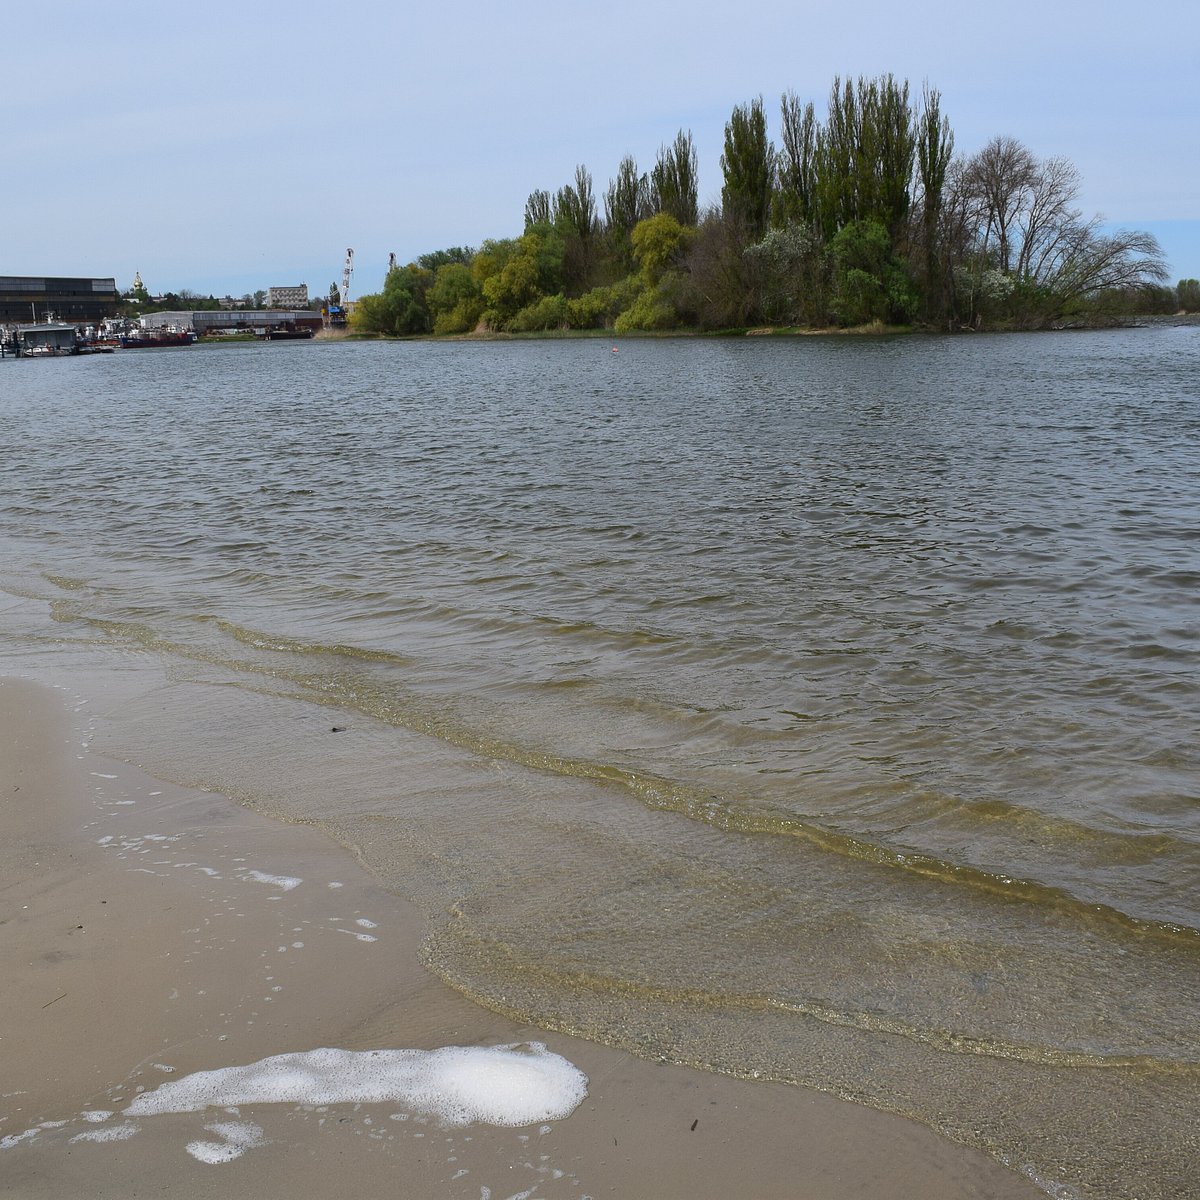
(339, 312)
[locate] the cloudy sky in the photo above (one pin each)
(225, 148)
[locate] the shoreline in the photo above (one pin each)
(1152, 321)
(155, 931)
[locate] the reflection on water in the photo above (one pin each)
(820, 710)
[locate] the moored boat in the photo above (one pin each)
(288, 335)
(126, 335)
(156, 339)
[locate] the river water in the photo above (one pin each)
(822, 710)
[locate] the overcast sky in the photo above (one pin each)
(226, 148)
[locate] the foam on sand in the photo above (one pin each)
(519, 1084)
(111, 1133)
(284, 882)
(239, 1136)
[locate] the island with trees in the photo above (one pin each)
(866, 218)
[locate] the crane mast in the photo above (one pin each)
(337, 313)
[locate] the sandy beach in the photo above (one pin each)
(150, 932)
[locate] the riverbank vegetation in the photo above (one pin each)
(864, 217)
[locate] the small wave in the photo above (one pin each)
(285, 645)
(655, 792)
(457, 944)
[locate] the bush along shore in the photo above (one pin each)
(866, 218)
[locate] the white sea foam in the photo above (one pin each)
(15, 1139)
(239, 1136)
(287, 882)
(28, 1135)
(501, 1085)
(113, 1133)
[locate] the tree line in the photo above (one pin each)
(864, 217)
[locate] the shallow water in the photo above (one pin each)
(819, 709)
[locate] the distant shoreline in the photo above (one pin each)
(760, 331)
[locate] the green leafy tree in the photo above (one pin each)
(400, 308)
(869, 284)
(455, 299)
(539, 209)
(795, 201)
(749, 167)
(511, 289)
(575, 219)
(550, 312)
(651, 310)
(436, 259)
(934, 151)
(600, 307)
(626, 202)
(835, 160)
(674, 186)
(197, 302)
(1188, 295)
(658, 242)
(491, 258)
(864, 156)
(887, 151)
(575, 206)
(516, 273)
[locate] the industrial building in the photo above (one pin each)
(33, 299)
(265, 322)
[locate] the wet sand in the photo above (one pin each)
(148, 931)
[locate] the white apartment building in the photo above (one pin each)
(288, 297)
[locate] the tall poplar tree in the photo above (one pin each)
(575, 206)
(835, 160)
(749, 167)
(537, 209)
(674, 184)
(935, 149)
(626, 202)
(892, 141)
(796, 201)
